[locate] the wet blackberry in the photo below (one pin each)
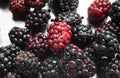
(38, 45)
(49, 68)
(27, 64)
(19, 36)
(7, 55)
(75, 63)
(60, 6)
(82, 35)
(71, 18)
(37, 20)
(12, 75)
(114, 12)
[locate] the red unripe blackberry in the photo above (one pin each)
(59, 36)
(18, 9)
(98, 11)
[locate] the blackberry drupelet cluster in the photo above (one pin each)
(82, 35)
(59, 36)
(114, 12)
(12, 75)
(71, 18)
(105, 46)
(7, 54)
(19, 36)
(114, 68)
(110, 26)
(75, 63)
(38, 45)
(60, 6)
(98, 11)
(50, 69)
(27, 64)
(18, 9)
(37, 4)
(37, 20)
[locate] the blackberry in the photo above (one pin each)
(38, 45)
(60, 6)
(98, 11)
(37, 20)
(27, 64)
(114, 12)
(50, 69)
(71, 18)
(59, 36)
(105, 46)
(114, 68)
(12, 75)
(37, 4)
(110, 26)
(19, 36)
(82, 35)
(18, 9)
(75, 63)
(7, 54)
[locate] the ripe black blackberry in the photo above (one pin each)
(71, 18)
(19, 36)
(38, 45)
(110, 26)
(82, 35)
(75, 63)
(37, 20)
(12, 75)
(27, 64)
(104, 47)
(114, 12)
(7, 54)
(50, 69)
(60, 6)
(114, 68)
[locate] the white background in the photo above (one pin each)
(6, 21)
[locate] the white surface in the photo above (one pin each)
(6, 21)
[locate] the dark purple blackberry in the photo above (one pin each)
(110, 26)
(71, 18)
(82, 35)
(7, 55)
(12, 75)
(38, 45)
(37, 20)
(19, 36)
(75, 63)
(50, 69)
(27, 64)
(106, 44)
(114, 12)
(114, 68)
(60, 6)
